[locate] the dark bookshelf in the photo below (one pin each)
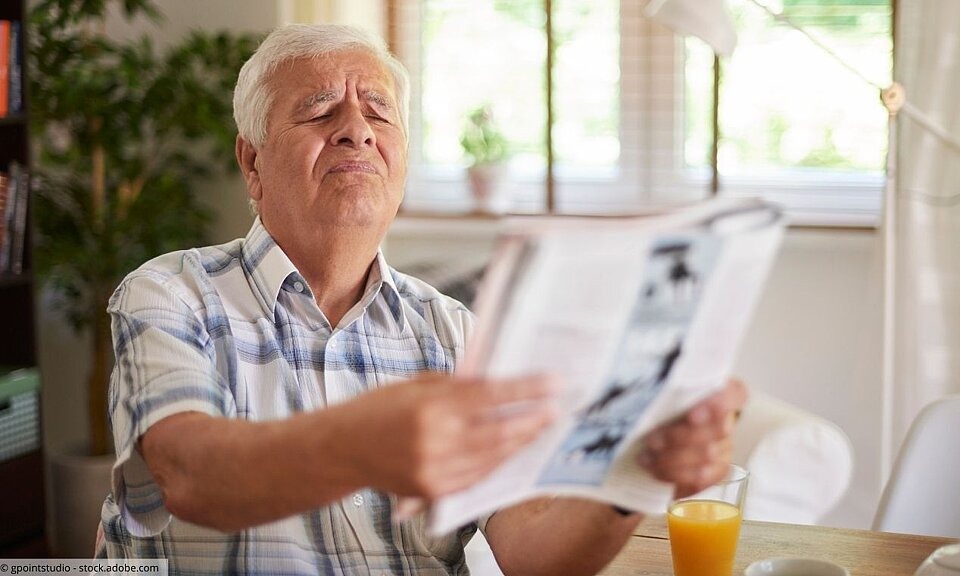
(19, 119)
(22, 531)
(10, 279)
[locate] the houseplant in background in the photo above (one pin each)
(123, 132)
(486, 149)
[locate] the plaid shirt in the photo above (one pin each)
(234, 331)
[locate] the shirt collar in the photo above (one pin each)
(268, 267)
(381, 280)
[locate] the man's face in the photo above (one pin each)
(335, 152)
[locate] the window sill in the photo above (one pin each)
(818, 201)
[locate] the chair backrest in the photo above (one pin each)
(800, 464)
(922, 495)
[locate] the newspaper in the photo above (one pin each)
(638, 317)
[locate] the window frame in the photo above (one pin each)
(651, 169)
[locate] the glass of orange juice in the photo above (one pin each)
(705, 527)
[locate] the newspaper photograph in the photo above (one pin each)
(638, 318)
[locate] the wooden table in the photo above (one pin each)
(862, 552)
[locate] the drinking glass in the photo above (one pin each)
(705, 527)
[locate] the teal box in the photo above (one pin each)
(19, 412)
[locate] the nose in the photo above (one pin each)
(352, 129)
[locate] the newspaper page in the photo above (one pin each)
(638, 318)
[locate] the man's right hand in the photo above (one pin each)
(436, 434)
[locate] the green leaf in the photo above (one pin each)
(163, 120)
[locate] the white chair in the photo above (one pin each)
(922, 495)
(800, 464)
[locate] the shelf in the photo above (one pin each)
(14, 120)
(10, 279)
(22, 515)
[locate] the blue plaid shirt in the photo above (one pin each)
(234, 331)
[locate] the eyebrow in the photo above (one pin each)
(317, 98)
(371, 96)
(377, 98)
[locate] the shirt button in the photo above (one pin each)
(298, 286)
(358, 500)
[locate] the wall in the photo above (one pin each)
(816, 341)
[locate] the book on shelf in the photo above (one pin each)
(5, 50)
(14, 196)
(11, 68)
(4, 194)
(15, 70)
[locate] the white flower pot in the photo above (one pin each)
(80, 484)
(486, 184)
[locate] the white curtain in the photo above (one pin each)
(706, 19)
(923, 219)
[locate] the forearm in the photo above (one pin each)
(570, 536)
(426, 437)
(232, 474)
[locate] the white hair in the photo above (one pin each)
(253, 96)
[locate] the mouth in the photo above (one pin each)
(348, 166)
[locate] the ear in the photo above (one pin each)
(247, 159)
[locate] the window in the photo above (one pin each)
(632, 107)
(795, 125)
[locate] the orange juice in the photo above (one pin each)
(703, 537)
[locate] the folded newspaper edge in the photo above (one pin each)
(638, 317)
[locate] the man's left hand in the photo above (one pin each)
(694, 450)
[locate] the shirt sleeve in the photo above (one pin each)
(165, 364)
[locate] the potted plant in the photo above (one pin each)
(486, 150)
(122, 134)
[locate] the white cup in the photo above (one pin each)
(945, 561)
(794, 567)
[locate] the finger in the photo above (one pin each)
(524, 426)
(474, 451)
(691, 457)
(496, 444)
(717, 407)
(460, 473)
(452, 470)
(509, 391)
(713, 475)
(691, 468)
(674, 436)
(458, 476)
(442, 425)
(499, 454)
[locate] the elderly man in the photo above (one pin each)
(273, 396)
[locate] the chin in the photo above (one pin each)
(363, 215)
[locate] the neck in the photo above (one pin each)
(337, 287)
(335, 263)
